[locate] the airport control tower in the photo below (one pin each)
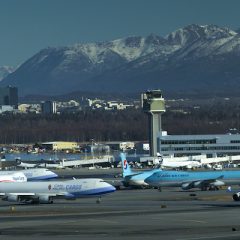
(154, 105)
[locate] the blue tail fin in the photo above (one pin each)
(126, 169)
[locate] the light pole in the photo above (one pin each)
(92, 149)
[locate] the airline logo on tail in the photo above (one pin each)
(125, 167)
(125, 164)
(15, 177)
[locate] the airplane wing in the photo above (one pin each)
(31, 197)
(22, 194)
(203, 183)
(132, 175)
(128, 177)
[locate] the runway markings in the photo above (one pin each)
(196, 221)
(103, 221)
(212, 237)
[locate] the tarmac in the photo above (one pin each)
(126, 214)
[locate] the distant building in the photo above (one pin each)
(6, 108)
(29, 108)
(60, 145)
(117, 105)
(23, 108)
(210, 144)
(9, 96)
(49, 107)
(97, 148)
(126, 145)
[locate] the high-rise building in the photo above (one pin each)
(9, 96)
(49, 107)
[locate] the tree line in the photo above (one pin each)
(81, 127)
(125, 125)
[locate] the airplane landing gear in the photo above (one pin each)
(209, 188)
(99, 200)
(204, 188)
(213, 188)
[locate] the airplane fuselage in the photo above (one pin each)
(178, 178)
(67, 189)
(34, 174)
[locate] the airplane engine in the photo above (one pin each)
(218, 183)
(11, 198)
(45, 199)
(125, 184)
(236, 196)
(186, 186)
(197, 184)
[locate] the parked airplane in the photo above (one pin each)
(26, 165)
(45, 164)
(133, 178)
(165, 163)
(190, 179)
(45, 192)
(34, 174)
(13, 177)
(180, 164)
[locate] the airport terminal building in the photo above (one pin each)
(212, 145)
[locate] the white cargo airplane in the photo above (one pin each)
(165, 163)
(14, 177)
(45, 192)
(38, 165)
(33, 174)
(182, 164)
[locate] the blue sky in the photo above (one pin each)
(27, 26)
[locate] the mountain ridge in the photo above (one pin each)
(188, 59)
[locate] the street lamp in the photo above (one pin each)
(92, 149)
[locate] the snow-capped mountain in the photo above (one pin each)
(193, 58)
(5, 70)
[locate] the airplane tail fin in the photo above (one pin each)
(19, 177)
(126, 169)
(14, 177)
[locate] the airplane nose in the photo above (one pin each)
(105, 186)
(54, 175)
(112, 188)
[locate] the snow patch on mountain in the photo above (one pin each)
(5, 70)
(193, 32)
(232, 45)
(133, 59)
